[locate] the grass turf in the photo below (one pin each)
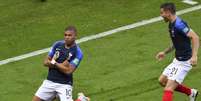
(119, 67)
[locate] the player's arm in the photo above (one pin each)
(169, 49)
(69, 67)
(65, 67)
(160, 56)
(52, 55)
(195, 45)
(47, 62)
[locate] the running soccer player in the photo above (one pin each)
(185, 55)
(62, 60)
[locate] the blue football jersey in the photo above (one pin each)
(73, 55)
(182, 43)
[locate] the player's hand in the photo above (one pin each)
(193, 60)
(55, 57)
(53, 62)
(160, 56)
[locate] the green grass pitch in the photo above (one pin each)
(119, 67)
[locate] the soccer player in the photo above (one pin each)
(185, 54)
(62, 60)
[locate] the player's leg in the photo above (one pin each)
(183, 89)
(163, 80)
(65, 92)
(46, 92)
(182, 70)
(164, 76)
(178, 73)
(169, 89)
(35, 98)
(82, 97)
(185, 67)
(169, 80)
(192, 93)
(179, 77)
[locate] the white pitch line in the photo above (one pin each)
(100, 35)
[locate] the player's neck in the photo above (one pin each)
(173, 18)
(69, 46)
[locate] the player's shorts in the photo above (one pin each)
(49, 90)
(177, 70)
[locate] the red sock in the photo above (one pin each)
(78, 100)
(183, 89)
(167, 95)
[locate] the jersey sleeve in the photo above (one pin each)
(76, 61)
(183, 28)
(52, 50)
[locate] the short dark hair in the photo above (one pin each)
(169, 6)
(71, 28)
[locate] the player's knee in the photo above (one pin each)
(161, 82)
(35, 98)
(168, 89)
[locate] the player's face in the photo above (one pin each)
(165, 15)
(69, 37)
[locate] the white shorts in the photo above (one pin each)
(49, 90)
(177, 70)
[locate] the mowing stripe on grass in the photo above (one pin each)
(99, 35)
